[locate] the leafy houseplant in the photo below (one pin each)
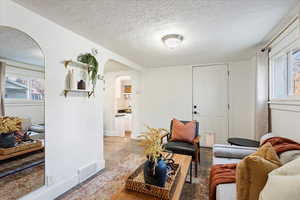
(155, 168)
(91, 60)
(8, 126)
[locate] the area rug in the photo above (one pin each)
(19, 184)
(121, 163)
(20, 163)
(22, 175)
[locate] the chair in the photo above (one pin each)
(184, 147)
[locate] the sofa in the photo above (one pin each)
(226, 154)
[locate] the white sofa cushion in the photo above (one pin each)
(226, 192)
(283, 183)
(217, 160)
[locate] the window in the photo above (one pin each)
(20, 88)
(294, 72)
(285, 75)
(284, 65)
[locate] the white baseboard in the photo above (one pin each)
(101, 165)
(53, 191)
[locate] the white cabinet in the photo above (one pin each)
(122, 124)
(128, 125)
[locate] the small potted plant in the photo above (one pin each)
(155, 168)
(91, 60)
(8, 126)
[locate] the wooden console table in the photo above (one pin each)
(185, 162)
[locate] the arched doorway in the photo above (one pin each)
(121, 98)
(123, 106)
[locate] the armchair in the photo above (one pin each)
(191, 149)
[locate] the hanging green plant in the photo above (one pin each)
(91, 60)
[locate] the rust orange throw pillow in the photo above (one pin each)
(183, 132)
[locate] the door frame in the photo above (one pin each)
(228, 92)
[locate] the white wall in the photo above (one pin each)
(242, 99)
(285, 120)
(167, 93)
(74, 128)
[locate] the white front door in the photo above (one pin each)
(210, 100)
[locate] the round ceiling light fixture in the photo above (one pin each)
(172, 41)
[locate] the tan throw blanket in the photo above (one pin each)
(220, 174)
(281, 144)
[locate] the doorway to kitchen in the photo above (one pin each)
(121, 98)
(123, 106)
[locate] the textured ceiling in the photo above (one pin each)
(16, 45)
(214, 30)
(113, 66)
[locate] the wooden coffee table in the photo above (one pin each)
(185, 162)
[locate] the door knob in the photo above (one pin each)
(195, 112)
(195, 106)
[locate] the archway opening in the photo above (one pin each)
(120, 100)
(123, 106)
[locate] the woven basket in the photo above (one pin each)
(136, 182)
(21, 147)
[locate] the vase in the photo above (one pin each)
(81, 85)
(158, 178)
(72, 80)
(7, 140)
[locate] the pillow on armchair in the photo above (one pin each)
(183, 132)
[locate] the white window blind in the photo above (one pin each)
(279, 72)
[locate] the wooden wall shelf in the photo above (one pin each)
(77, 64)
(89, 93)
